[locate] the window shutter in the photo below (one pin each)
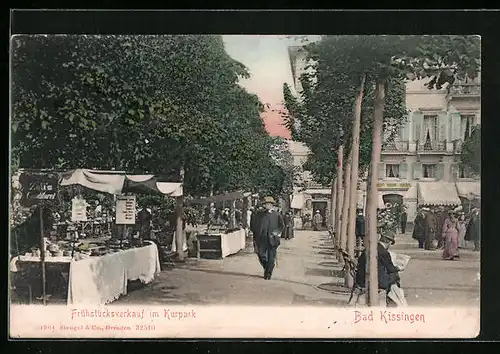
(455, 126)
(381, 170)
(417, 170)
(418, 126)
(440, 171)
(455, 171)
(442, 126)
(403, 170)
(405, 131)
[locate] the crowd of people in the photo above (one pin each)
(447, 230)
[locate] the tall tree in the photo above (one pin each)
(138, 103)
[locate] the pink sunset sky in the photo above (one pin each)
(266, 57)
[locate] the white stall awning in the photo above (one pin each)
(437, 193)
(469, 190)
(297, 201)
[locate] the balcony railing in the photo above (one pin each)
(431, 146)
(395, 146)
(457, 146)
(459, 90)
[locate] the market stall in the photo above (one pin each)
(99, 270)
(220, 241)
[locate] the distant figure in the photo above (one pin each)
(145, 219)
(441, 216)
(287, 230)
(450, 236)
(403, 220)
(473, 232)
(360, 224)
(317, 221)
(462, 229)
(430, 229)
(419, 227)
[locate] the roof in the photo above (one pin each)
(437, 193)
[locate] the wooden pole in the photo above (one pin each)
(345, 207)
(351, 229)
(338, 202)
(179, 231)
(42, 257)
(333, 197)
(378, 120)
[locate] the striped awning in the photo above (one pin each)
(469, 190)
(437, 193)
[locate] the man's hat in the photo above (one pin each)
(389, 236)
(269, 200)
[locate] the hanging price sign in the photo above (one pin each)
(79, 209)
(125, 209)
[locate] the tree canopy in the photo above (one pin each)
(471, 151)
(140, 104)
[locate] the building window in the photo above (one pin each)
(464, 172)
(429, 170)
(392, 170)
(466, 125)
(430, 130)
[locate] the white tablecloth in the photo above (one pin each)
(233, 242)
(101, 280)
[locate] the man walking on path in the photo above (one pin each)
(267, 239)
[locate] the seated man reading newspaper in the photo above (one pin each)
(388, 272)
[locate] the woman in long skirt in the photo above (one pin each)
(450, 236)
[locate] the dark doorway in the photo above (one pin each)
(321, 206)
(393, 198)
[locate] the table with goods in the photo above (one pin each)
(220, 242)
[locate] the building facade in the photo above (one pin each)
(423, 161)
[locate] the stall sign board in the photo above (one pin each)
(125, 209)
(393, 185)
(79, 209)
(37, 188)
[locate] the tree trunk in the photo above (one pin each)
(338, 202)
(333, 196)
(345, 207)
(246, 207)
(179, 231)
(353, 195)
(378, 121)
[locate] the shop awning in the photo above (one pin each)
(119, 183)
(470, 190)
(220, 198)
(437, 193)
(297, 201)
(324, 191)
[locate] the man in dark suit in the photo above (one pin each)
(403, 219)
(267, 239)
(388, 273)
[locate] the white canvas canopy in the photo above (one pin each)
(220, 198)
(119, 183)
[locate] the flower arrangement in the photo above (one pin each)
(388, 218)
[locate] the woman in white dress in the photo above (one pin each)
(462, 228)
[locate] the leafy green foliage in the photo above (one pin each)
(140, 104)
(471, 151)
